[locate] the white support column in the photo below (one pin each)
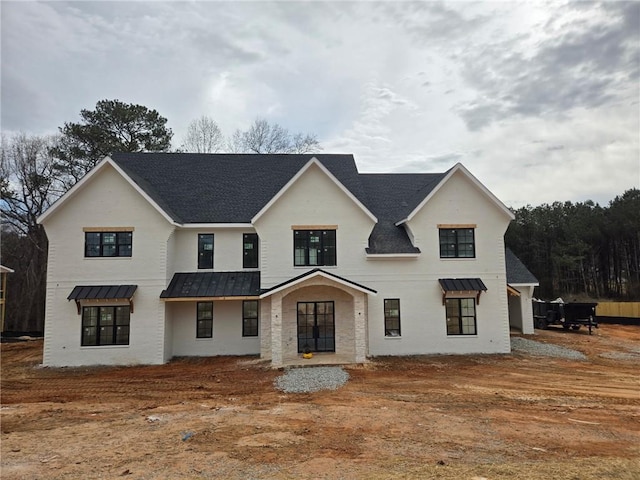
(360, 321)
(526, 309)
(276, 330)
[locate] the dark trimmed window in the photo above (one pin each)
(108, 244)
(204, 323)
(461, 316)
(457, 243)
(105, 326)
(392, 317)
(205, 250)
(250, 250)
(314, 248)
(250, 318)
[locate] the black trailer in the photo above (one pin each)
(568, 315)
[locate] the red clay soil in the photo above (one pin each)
(471, 417)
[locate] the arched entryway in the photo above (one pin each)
(320, 313)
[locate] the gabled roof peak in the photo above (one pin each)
(458, 167)
(314, 162)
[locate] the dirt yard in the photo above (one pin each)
(476, 417)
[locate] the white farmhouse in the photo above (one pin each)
(155, 255)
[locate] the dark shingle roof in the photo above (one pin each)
(233, 188)
(223, 188)
(517, 273)
(392, 197)
(213, 284)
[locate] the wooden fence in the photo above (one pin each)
(618, 309)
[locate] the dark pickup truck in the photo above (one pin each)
(568, 315)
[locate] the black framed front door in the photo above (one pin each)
(316, 327)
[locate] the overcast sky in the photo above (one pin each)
(540, 101)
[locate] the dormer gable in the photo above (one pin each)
(458, 169)
(314, 162)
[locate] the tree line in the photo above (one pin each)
(577, 249)
(36, 170)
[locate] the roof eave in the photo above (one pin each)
(316, 273)
(215, 225)
(210, 299)
(391, 256)
(144, 194)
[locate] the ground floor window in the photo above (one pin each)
(461, 316)
(392, 317)
(204, 322)
(105, 326)
(250, 318)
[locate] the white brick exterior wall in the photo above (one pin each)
(160, 330)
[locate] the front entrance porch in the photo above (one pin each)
(316, 312)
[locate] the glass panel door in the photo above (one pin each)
(306, 315)
(316, 327)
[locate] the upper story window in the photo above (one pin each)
(250, 250)
(314, 248)
(108, 244)
(457, 243)
(205, 250)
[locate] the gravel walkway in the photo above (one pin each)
(544, 349)
(311, 379)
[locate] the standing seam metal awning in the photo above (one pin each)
(194, 286)
(460, 285)
(102, 292)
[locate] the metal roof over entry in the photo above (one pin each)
(213, 285)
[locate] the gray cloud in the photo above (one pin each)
(404, 86)
(419, 162)
(448, 159)
(585, 66)
(430, 22)
(555, 147)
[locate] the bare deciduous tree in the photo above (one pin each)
(28, 186)
(305, 143)
(203, 136)
(264, 137)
